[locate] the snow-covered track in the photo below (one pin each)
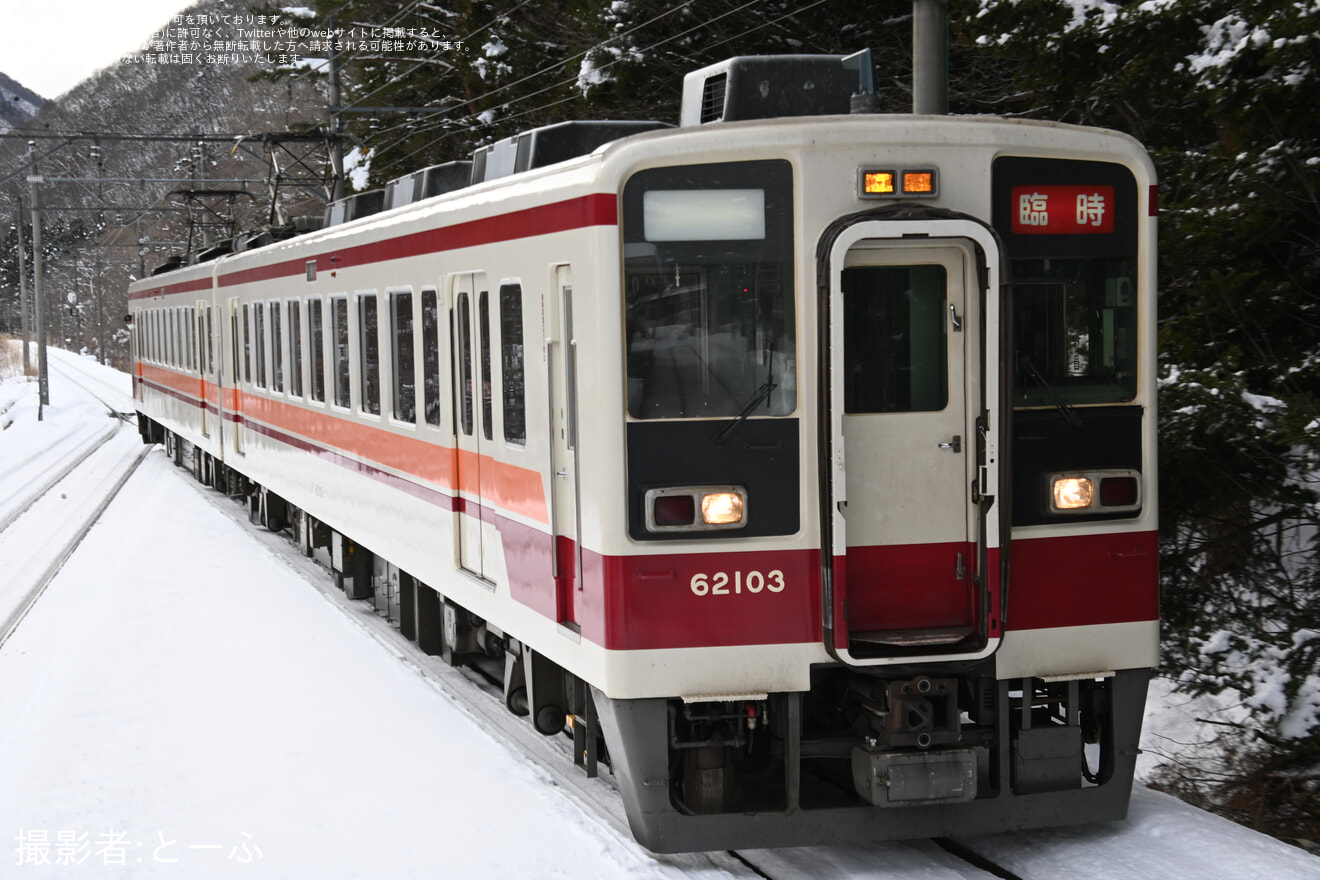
(104, 385)
(29, 478)
(46, 467)
(71, 483)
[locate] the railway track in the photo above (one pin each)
(478, 689)
(30, 477)
(59, 493)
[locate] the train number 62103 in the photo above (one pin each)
(723, 583)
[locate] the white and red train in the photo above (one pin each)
(806, 462)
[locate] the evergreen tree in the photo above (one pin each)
(1223, 95)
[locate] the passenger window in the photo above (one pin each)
(369, 354)
(487, 413)
(465, 363)
(895, 350)
(431, 354)
(276, 349)
(511, 364)
(401, 330)
(233, 342)
(316, 353)
(295, 350)
(339, 315)
(247, 345)
(259, 329)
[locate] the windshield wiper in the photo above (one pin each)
(741, 416)
(1065, 408)
(757, 398)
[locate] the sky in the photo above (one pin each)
(50, 46)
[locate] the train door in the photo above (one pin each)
(473, 428)
(564, 490)
(906, 393)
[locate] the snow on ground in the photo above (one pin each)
(183, 703)
(207, 705)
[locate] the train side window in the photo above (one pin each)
(404, 370)
(487, 409)
(247, 344)
(259, 331)
(511, 364)
(316, 349)
(295, 349)
(233, 343)
(210, 345)
(431, 354)
(464, 357)
(276, 349)
(895, 348)
(339, 319)
(369, 354)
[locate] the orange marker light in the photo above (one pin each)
(875, 183)
(919, 182)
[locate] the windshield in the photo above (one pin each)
(1075, 331)
(708, 287)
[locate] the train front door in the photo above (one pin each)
(905, 395)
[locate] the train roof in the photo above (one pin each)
(727, 107)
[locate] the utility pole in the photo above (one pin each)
(23, 293)
(96, 262)
(337, 123)
(43, 378)
(930, 57)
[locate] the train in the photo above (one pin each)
(798, 460)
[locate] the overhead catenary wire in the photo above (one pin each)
(559, 66)
(431, 126)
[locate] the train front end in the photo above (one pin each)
(890, 557)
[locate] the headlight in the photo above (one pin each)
(695, 508)
(1093, 492)
(1072, 493)
(721, 508)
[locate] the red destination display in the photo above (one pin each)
(1063, 210)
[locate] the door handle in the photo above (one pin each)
(955, 445)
